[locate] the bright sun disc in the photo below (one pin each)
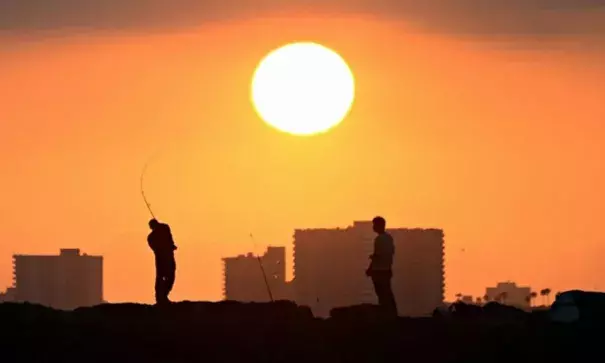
(303, 88)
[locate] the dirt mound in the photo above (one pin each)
(272, 332)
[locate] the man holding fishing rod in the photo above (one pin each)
(161, 243)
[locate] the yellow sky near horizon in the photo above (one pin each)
(499, 147)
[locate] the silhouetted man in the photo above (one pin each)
(380, 269)
(161, 243)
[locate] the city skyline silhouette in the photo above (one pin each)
(252, 282)
(485, 122)
(302, 180)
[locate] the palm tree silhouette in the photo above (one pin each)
(544, 293)
(533, 295)
(547, 292)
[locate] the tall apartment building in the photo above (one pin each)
(244, 280)
(330, 264)
(65, 281)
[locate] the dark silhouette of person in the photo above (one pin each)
(380, 269)
(161, 243)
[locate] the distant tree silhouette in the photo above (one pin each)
(533, 295)
(478, 301)
(458, 296)
(547, 292)
(486, 298)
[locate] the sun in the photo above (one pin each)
(303, 88)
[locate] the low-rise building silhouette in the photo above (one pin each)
(65, 281)
(8, 295)
(244, 280)
(329, 267)
(510, 294)
(467, 299)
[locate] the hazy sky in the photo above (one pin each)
(484, 120)
(526, 17)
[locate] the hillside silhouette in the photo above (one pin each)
(284, 332)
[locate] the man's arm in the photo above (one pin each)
(151, 242)
(169, 233)
(372, 257)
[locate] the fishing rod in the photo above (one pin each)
(143, 191)
(260, 263)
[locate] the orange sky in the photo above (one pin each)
(499, 146)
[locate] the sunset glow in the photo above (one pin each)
(498, 144)
(303, 88)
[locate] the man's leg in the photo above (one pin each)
(382, 286)
(389, 297)
(376, 288)
(161, 293)
(159, 283)
(169, 276)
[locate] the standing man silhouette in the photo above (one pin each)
(161, 243)
(380, 269)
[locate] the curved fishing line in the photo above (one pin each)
(262, 269)
(142, 183)
(147, 204)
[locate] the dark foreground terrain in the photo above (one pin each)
(284, 332)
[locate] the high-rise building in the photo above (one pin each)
(510, 294)
(244, 280)
(65, 281)
(330, 264)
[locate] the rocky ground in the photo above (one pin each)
(285, 332)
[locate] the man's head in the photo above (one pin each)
(379, 224)
(153, 224)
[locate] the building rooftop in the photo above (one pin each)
(62, 252)
(252, 255)
(365, 224)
